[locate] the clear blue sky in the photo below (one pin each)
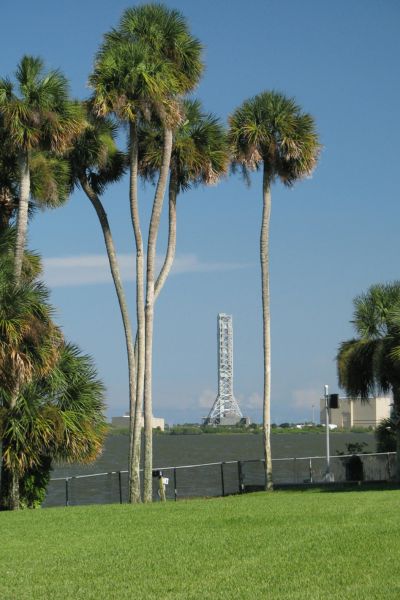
(331, 236)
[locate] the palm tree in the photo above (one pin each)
(29, 348)
(271, 132)
(370, 362)
(141, 70)
(40, 118)
(200, 155)
(95, 162)
(49, 180)
(51, 402)
(59, 416)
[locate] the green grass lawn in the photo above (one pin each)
(287, 544)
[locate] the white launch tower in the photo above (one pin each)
(225, 410)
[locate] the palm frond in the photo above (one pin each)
(271, 130)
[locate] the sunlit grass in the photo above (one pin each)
(288, 544)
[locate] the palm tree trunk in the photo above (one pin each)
(22, 219)
(264, 257)
(135, 419)
(115, 272)
(9, 488)
(171, 245)
(149, 313)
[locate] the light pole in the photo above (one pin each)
(328, 474)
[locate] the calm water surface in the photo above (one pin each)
(178, 450)
(175, 450)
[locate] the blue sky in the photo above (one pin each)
(331, 236)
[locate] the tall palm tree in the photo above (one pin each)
(370, 362)
(95, 162)
(41, 117)
(141, 70)
(270, 132)
(200, 155)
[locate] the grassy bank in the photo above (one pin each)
(300, 545)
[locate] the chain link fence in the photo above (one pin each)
(221, 478)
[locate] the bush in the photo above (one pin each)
(385, 435)
(33, 485)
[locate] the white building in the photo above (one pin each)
(353, 412)
(124, 421)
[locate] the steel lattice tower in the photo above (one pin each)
(225, 407)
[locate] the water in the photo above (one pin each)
(176, 450)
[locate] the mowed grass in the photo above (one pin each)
(285, 544)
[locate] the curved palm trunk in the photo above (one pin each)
(22, 219)
(136, 414)
(171, 248)
(149, 313)
(115, 272)
(171, 245)
(264, 257)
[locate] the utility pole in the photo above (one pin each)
(328, 475)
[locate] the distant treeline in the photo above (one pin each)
(255, 428)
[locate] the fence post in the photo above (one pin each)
(66, 492)
(311, 475)
(222, 479)
(175, 490)
(120, 486)
(240, 477)
(388, 466)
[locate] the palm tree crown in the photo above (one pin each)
(42, 116)
(145, 63)
(200, 153)
(272, 130)
(370, 362)
(94, 156)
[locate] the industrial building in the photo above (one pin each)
(124, 422)
(354, 412)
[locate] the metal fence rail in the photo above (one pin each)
(220, 478)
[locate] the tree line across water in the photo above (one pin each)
(50, 144)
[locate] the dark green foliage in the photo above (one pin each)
(94, 156)
(33, 484)
(51, 400)
(369, 363)
(353, 448)
(385, 435)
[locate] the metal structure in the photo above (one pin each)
(225, 410)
